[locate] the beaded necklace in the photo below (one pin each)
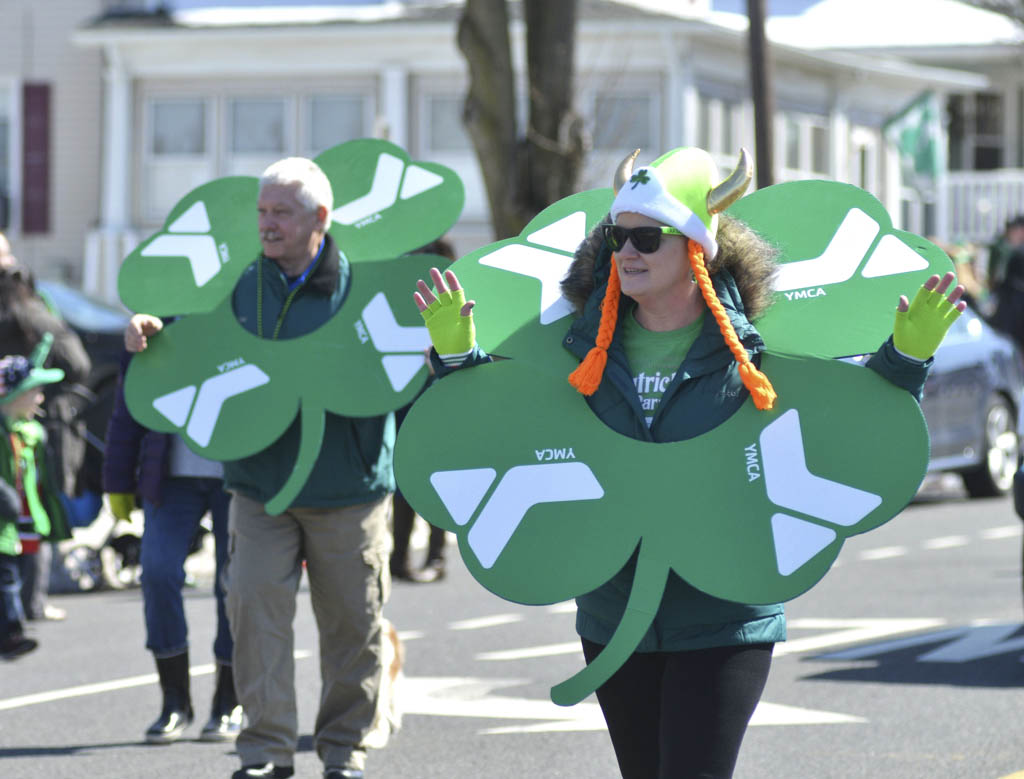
(294, 288)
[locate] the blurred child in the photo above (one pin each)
(30, 509)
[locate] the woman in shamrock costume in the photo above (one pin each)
(665, 294)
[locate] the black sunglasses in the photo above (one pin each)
(645, 240)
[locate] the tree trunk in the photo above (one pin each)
(522, 175)
(554, 137)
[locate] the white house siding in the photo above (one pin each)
(35, 47)
(641, 81)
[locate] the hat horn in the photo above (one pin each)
(732, 189)
(624, 171)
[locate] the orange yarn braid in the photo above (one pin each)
(587, 376)
(757, 383)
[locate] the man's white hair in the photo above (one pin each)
(314, 187)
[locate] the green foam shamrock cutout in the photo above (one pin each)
(208, 378)
(842, 266)
(543, 498)
(554, 512)
(384, 205)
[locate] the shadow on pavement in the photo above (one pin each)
(988, 655)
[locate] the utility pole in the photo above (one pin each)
(764, 100)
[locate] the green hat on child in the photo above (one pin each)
(19, 374)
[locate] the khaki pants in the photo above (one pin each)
(346, 552)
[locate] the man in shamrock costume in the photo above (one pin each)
(337, 524)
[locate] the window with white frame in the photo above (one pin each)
(443, 130)
(187, 140)
(177, 155)
(864, 158)
(804, 144)
(625, 120)
(976, 131)
(258, 134)
(333, 119)
(718, 122)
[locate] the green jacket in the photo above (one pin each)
(10, 501)
(354, 465)
(705, 392)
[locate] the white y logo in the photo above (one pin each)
(395, 342)
(384, 190)
(523, 487)
(790, 485)
(188, 236)
(844, 254)
(548, 266)
(177, 406)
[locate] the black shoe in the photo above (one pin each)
(16, 645)
(173, 719)
(176, 714)
(265, 771)
(225, 721)
(169, 725)
(333, 772)
(223, 727)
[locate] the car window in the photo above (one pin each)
(81, 311)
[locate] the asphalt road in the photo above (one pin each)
(904, 662)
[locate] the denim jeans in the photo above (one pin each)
(170, 527)
(11, 614)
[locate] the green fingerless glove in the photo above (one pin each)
(122, 504)
(919, 330)
(452, 334)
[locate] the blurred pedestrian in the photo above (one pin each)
(25, 319)
(178, 488)
(30, 507)
(1006, 280)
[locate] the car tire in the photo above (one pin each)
(994, 477)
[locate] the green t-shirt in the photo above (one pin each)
(654, 358)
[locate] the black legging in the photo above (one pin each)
(673, 715)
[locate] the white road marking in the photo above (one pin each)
(475, 697)
(486, 622)
(883, 553)
(101, 687)
(548, 650)
(945, 542)
(565, 607)
(1006, 531)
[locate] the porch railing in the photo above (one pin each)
(981, 203)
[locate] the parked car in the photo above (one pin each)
(971, 402)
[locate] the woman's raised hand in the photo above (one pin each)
(447, 315)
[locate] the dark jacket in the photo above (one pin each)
(21, 328)
(135, 458)
(705, 392)
(354, 464)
